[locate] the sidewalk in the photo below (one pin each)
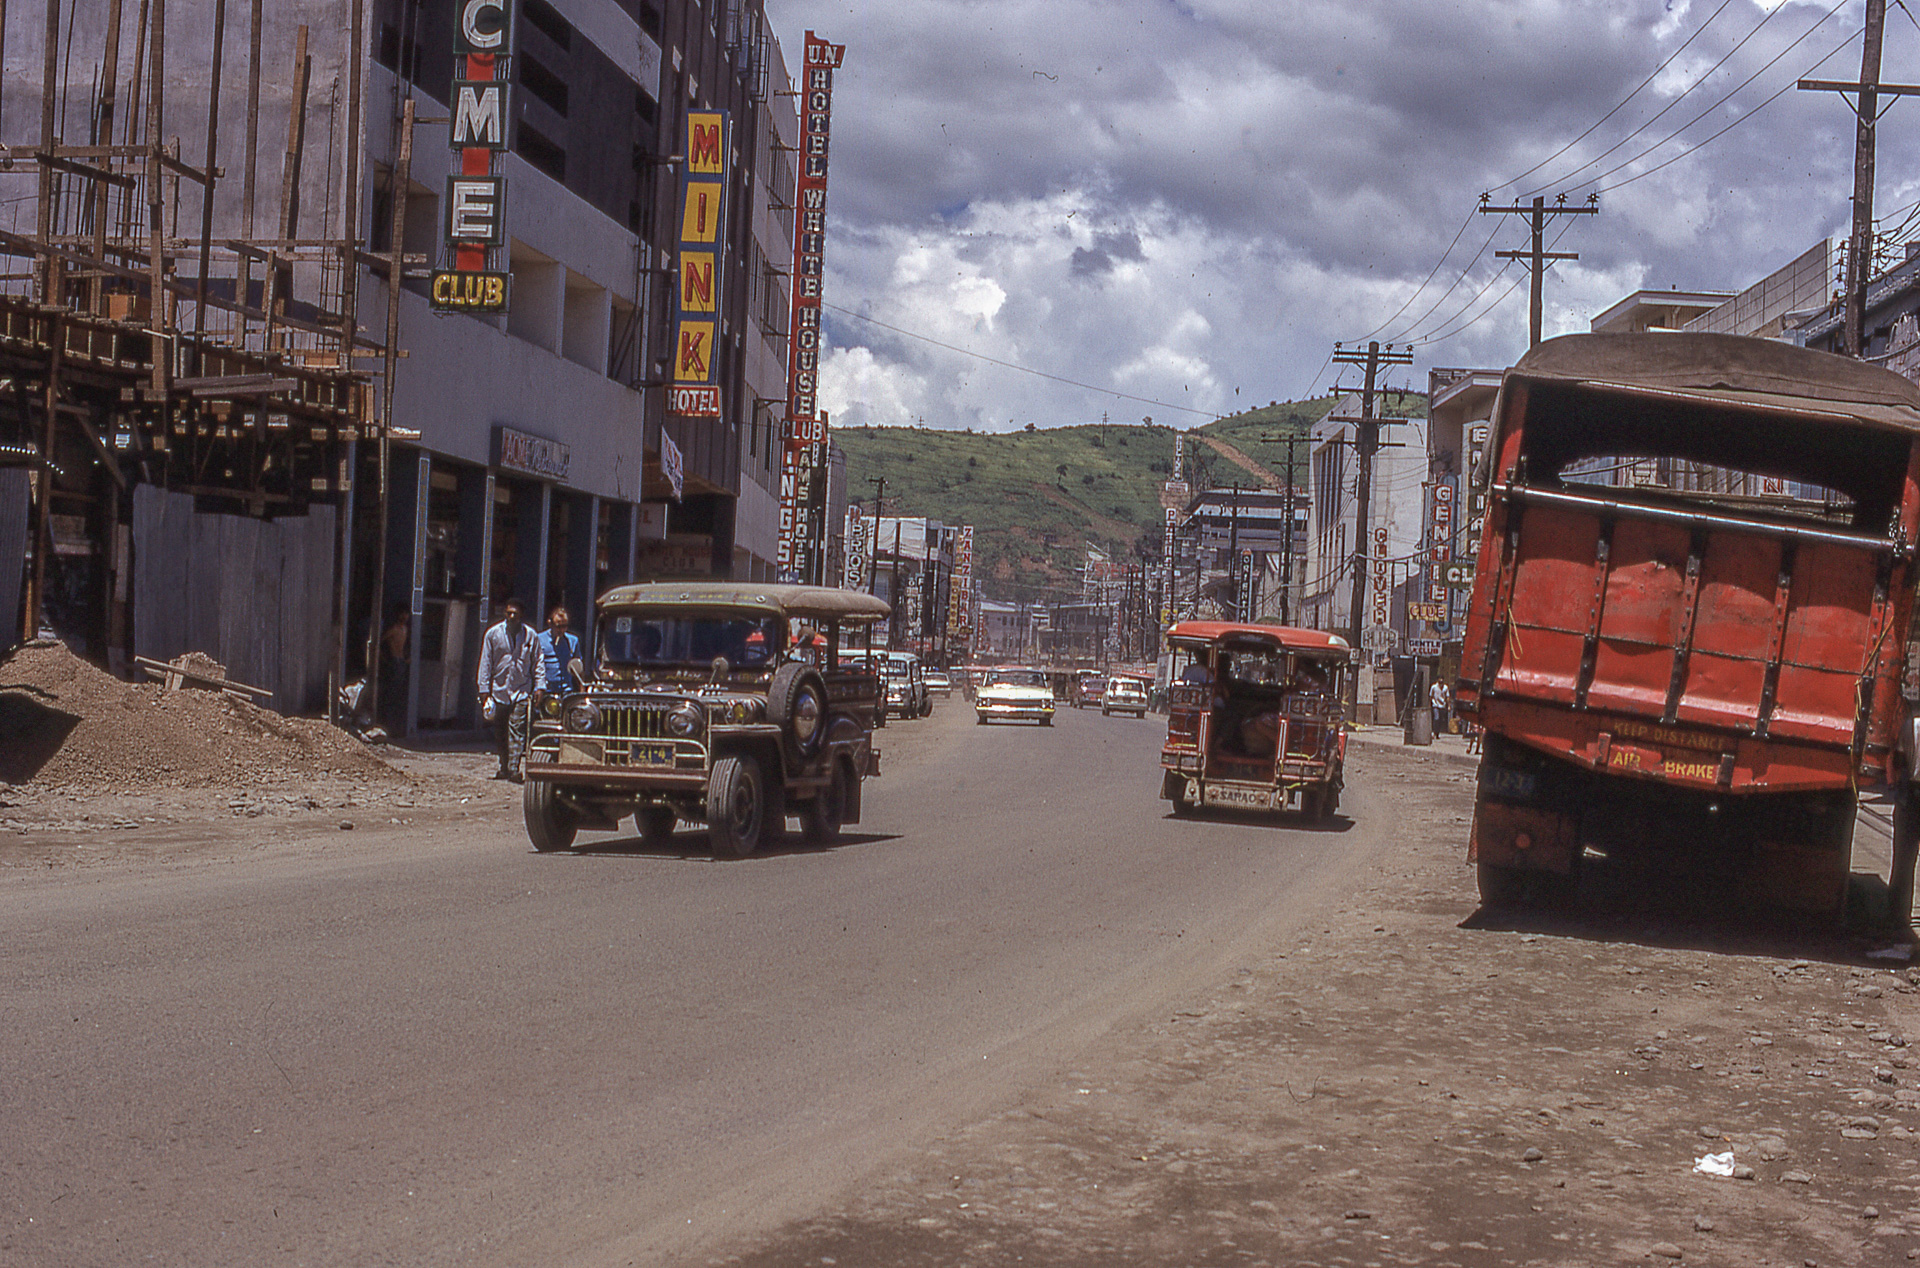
(1394, 736)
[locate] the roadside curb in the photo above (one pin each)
(1391, 737)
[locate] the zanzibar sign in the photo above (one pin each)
(475, 224)
(695, 386)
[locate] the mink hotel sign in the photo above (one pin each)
(695, 387)
(475, 227)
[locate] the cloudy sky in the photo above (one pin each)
(1174, 208)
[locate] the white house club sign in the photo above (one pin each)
(805, 428)
(475, 224)
(695, 387)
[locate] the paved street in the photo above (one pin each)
(437, 1047)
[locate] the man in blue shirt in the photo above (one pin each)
(557, 648)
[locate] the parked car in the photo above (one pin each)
(703, 705)
(1254, 719)
(1124, 695)
(1691, 604)
(1014, 695)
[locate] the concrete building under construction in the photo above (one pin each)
(223, 430)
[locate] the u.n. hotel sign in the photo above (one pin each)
(695, 385)
(806, 430)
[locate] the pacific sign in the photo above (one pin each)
(475, 227)
(695, 386)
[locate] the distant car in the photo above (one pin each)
(1014, 695)
(1088, 688)
(1124, 695)
(938, 683)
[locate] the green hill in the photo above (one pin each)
(1037, 499)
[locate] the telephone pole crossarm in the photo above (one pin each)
(1537, 212)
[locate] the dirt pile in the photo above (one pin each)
(66, 724)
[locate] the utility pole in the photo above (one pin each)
(1287, 563)
(1233, 557)
(1366, 442)
(1867, 114)
(1539, 255)
(879, 505)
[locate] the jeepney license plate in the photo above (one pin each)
(1247, 798)
(650, 754)
(1501, 782)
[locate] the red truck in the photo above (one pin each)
(1689, 618)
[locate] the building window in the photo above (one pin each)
(544, 18)
(543, 83)
(530, 145)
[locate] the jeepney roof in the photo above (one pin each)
(1730, 370)
(819, 603)
(1286, 637)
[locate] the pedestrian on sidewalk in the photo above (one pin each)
(558, 648)
(1437, 698)
(509, 661)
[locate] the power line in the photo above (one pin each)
(1569, 178)
(1595, 126)
(981, 356)
(1723, 100)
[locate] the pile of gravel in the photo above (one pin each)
(66, 724)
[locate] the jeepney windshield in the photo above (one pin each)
(638, 638)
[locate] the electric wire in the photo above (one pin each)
(1789, 87)
(1573, 177)
(1595, 126)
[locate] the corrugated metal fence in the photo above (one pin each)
(256, 595)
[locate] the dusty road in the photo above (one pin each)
(1020, 1017)
(253, 1036)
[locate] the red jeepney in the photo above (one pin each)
(1254, 718)
(1689, 614)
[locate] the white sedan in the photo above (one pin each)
(1014, 695)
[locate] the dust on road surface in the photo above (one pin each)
(1412, 1081)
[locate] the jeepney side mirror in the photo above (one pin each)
(578, 668)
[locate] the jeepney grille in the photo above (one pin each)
(633, 722)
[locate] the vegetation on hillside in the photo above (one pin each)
(1037, 499)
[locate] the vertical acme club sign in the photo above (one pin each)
(806, 430)
(475, 223)
(694, 389)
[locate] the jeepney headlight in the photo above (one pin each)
(583, 716)
(686, 721)
(743, 711)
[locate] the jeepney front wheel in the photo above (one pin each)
(551, 823)
(736, 807)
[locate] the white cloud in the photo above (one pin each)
(1173, 201)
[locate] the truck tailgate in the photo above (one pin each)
(1763, 631)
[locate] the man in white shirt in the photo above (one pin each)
(509, 660)
(1437, 697)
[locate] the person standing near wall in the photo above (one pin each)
(509, 663)
(1437, 697)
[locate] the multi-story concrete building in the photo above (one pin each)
(532, 453)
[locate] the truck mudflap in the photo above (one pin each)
(1522, 837)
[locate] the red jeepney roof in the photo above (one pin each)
(1286, 636)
